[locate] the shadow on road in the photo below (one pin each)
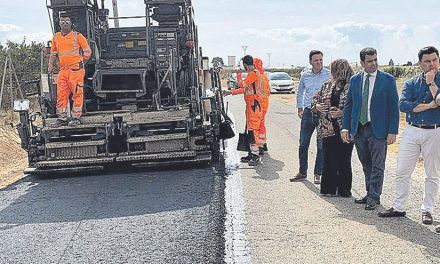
(269, 169)
(403, 228)
(70, 199)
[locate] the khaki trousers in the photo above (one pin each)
(415, 142)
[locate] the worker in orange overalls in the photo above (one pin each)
(252, 88)
(73, 52)
(258, 63)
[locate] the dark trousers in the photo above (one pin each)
(372, 153)
(309, 122)
(336, 174)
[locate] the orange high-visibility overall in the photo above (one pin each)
(252, 88)
(72, 50)
(258, 63)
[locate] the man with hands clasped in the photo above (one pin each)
(371, 120)
(420, 102)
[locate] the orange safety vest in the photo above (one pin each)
(71, 49)
(254, 84)
(255, 88)
(258, 63)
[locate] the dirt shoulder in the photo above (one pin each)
(13, 159)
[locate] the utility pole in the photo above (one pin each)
(10, 69)
(11, 87)
(115, 12)
(3, 81)
(268, 61)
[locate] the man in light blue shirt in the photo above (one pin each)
(310, 83)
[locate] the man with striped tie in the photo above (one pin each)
(371, 120)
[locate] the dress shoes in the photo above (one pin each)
(427, 218)
(391, 213)
(299, 177)
(370, 206)
(363, 200)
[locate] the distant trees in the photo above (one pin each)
(217, 62)
(401, 71)
(27, 63)
(391, 63)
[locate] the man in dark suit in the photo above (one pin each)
(371, 119)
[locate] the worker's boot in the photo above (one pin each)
(246, 159)
(254, 161)
(265, 147)
(74, 122)
(61, 121)
(261, 151)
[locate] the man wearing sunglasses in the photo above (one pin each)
(73, 51)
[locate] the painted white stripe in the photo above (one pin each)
(237, 247)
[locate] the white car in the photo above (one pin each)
(281, 82)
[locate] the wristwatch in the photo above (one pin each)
(430, 84)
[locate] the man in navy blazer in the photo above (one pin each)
(371, 119)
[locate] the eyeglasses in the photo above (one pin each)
(65, 23)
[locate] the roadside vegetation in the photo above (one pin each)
(26, 58)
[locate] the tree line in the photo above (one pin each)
(28, 65)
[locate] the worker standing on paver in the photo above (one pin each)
(252, 88)
(73, 52)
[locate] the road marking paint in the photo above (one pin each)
(237, 248)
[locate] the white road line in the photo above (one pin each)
(237, 248)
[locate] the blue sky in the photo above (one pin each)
(288, 29)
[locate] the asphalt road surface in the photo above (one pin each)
(149, 217)
(195, 216)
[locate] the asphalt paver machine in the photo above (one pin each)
(150, 98)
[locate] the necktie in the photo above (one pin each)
(364, 108)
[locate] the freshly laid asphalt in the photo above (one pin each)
(172, 216)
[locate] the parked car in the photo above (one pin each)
(281, 82)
